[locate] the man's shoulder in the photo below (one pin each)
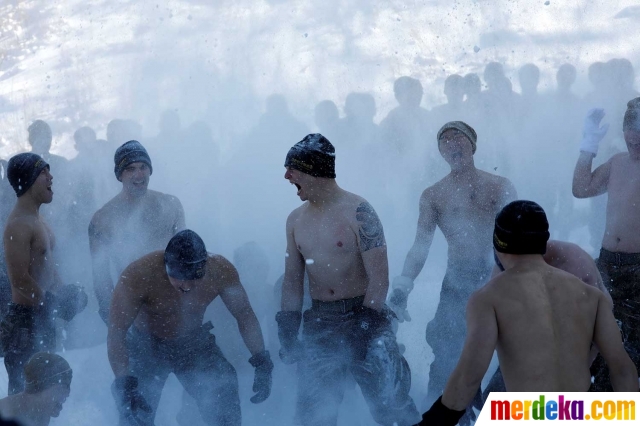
(146, 266)
(21, 223)
(165, 199)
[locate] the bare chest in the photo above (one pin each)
(168, 311)
(624, 183)
(325, 238)
(468, 208)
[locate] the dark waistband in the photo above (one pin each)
(621, 259)
(138, 334)
(339, 306)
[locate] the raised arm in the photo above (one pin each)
(373, 249)
(419, 252)
(128, 298)
(588, 184)
(623, 373)
(102, 284)
(17, 247)
(236, 300)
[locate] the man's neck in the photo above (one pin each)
(324, 194)
(132, 199)
(28, 205)
(465, 172)
(524, 261)
(29, 414)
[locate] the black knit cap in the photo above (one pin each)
(128, 153)
(313, 155)
(185, 257)
(23, 170)
(521, 227)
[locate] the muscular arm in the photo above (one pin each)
(482, 337)
(127, 301)
(587, 184)
(101, 271)
(373, 249)
(293, 282)
(17, 247)
(235, 299)
(623, 373)
(418, 253)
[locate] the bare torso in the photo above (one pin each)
(465, 213)
(327, 241)
(128, 232)
(166, 312)
(546, 320)
(42, 267)
(623, 219)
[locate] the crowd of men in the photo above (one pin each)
(554, 315)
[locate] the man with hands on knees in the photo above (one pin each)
(337, 237)
(155, 328)
(619, 260)
(38, 296)
(541, 320)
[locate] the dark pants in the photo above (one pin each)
(447, 330)
(198, 364)
(24, 331)
(329, 341)
(621, 275)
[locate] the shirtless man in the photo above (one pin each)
(37, 295)
(619, 261)
(48, 384)
(338, 239)
(464, 205)
(164, 296)
(570, 258)
(541, 320)
(135, 222)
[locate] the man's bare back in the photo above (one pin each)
(327, 239)
(546, 320)
(165, 313)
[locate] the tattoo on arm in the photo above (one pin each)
(370, 229)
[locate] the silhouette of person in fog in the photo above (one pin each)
(565, 77)
(40, 138)
(529, 78)
(452, 110)
(327, 119)
(405, 125)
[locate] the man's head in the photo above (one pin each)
(529, 77)
(84, 138)
(493, 73)
(29, 174)
(310, 160)
(457, 143)
(40, 137)
(631, 126)
(133, 167)
(521, 228)
(472, 85)
(408, 91)
(566, 76)
(454, 89)
(48, 379)
(185, 260)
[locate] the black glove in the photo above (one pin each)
(288, 326)
(439, 415)
(70, 300)
(367, 325)
(130, 402)
(262, 378)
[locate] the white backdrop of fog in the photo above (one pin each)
(83, 63)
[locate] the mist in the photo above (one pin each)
(218, 93)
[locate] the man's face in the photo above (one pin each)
(51, 399)
(455, 148)
(302, 181)
(41, 189)
(135, 178)
(632, 138)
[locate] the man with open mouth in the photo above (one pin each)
(135, 222)
(337, 238)
(37, 294)
(463, 205)
(156, 328)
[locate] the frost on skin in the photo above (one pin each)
(371, 232)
